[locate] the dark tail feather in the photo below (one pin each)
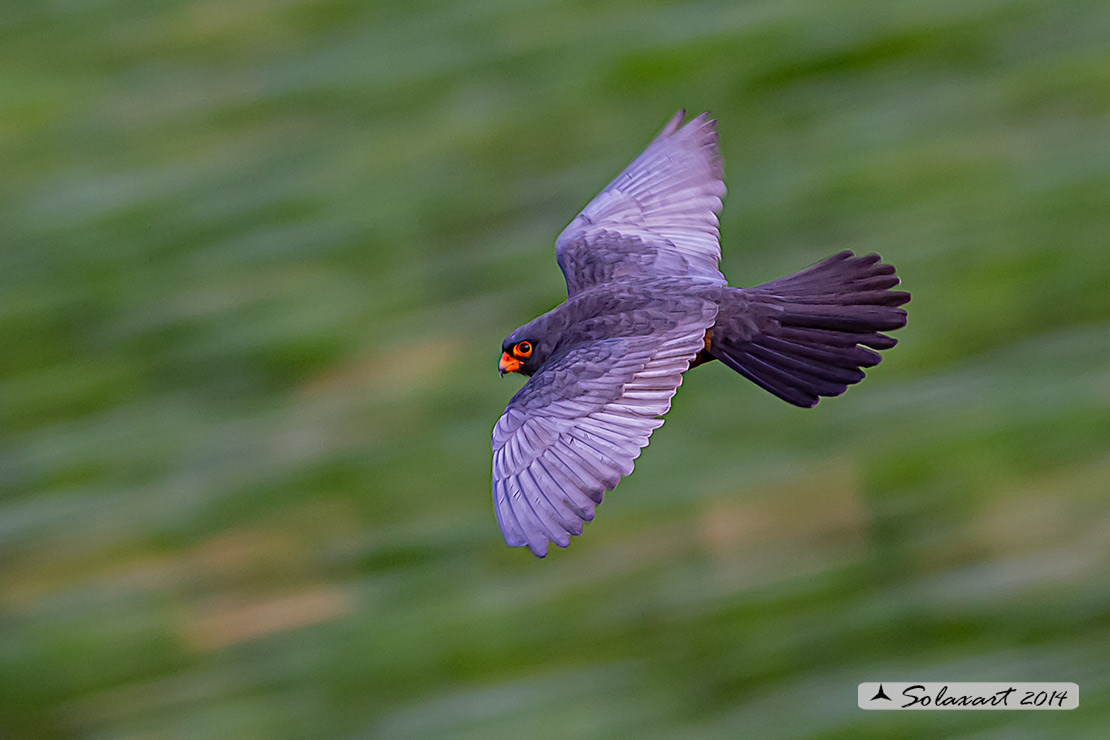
(806, 335)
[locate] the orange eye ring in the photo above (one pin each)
(522, 349)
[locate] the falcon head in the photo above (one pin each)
(527, 349)
(520, 355)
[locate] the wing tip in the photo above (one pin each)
(704, 128)
(678, 122)
(673, 125)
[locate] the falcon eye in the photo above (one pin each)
(522, 349)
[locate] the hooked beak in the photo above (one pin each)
(508, 364)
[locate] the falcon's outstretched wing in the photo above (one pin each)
(657, 218)
(574, 429)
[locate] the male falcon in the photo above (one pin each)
(646, 302)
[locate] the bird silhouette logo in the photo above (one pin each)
(881, 694)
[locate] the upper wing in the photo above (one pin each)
(574, 429)
(658, 217)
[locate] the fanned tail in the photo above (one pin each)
(807, 335)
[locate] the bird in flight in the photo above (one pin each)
(645, 303)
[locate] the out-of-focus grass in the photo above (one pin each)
(257, 259)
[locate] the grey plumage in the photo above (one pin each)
(646, 302)
(657, 218)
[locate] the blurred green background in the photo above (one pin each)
(256, 262)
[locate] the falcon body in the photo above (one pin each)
(646, 302)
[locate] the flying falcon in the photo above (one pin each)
(645, 303)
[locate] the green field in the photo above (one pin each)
(256, 263)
